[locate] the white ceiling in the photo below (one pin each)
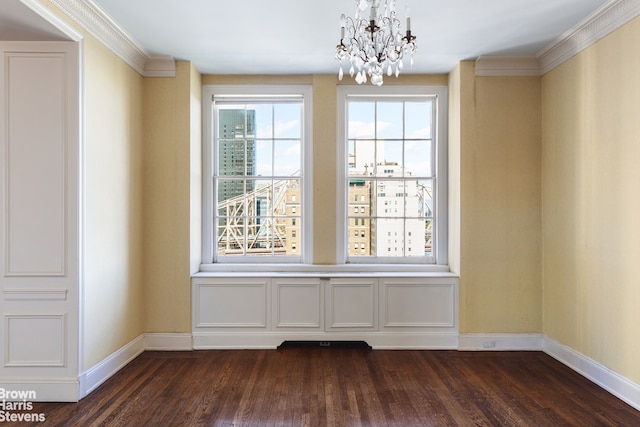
(299, 36)
(20, 23)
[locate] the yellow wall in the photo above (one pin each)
(591, 200)
(169, 135)
(495, 153)
(195, 166)
(113, 204)
(324, 169)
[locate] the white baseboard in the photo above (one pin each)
(377, 340)
(105, 369)
(614, 383)
(500, 342)
(168, 342)
(102, 371)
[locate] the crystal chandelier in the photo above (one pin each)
(375, 45)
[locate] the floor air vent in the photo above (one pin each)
(327, 344)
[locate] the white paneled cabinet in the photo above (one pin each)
(40, 227)
(387, 311)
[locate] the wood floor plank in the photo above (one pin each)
(317, 386)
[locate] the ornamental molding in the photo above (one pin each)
(611, 16)
(602, 22)
(96, 22)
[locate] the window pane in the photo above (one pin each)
(390, 202)
(259, 197)
(359, 241)
(428, 237)
(263, 119)
(389, 158)
(287, 121)
(388, 235)
(263, 160)
(235, 122)
(424, 198)
(292, 232)
(362, 157)
(231, 157)
(361, 120)
(287, 159)
(259, 236)
(389, 122)
(230, 192)
(418, 120)
(415, 237)
(418, 158)
(287, 194)
(230, 236)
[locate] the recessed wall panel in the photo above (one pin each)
(34, 163)
(35, 340)
(352, 304)
(232, 305)
(418, 305)
(297, 304)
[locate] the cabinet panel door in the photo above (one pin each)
(352, 304)
(418, 303)
(297, 304)
(232, 303)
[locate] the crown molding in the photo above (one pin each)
(596, 26)
(487, 65)
(611, 16)
(605, 20)
(96, 22)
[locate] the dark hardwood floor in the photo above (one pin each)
(320, 386)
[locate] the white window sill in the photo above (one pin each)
(338, 270)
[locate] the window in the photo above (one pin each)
(257, 174)
(393, 153)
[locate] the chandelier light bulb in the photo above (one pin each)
(375, 45)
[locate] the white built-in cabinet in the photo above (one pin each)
(40, 224)
(386, 311)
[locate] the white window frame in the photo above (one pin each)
(210, 260)
(439, 259)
